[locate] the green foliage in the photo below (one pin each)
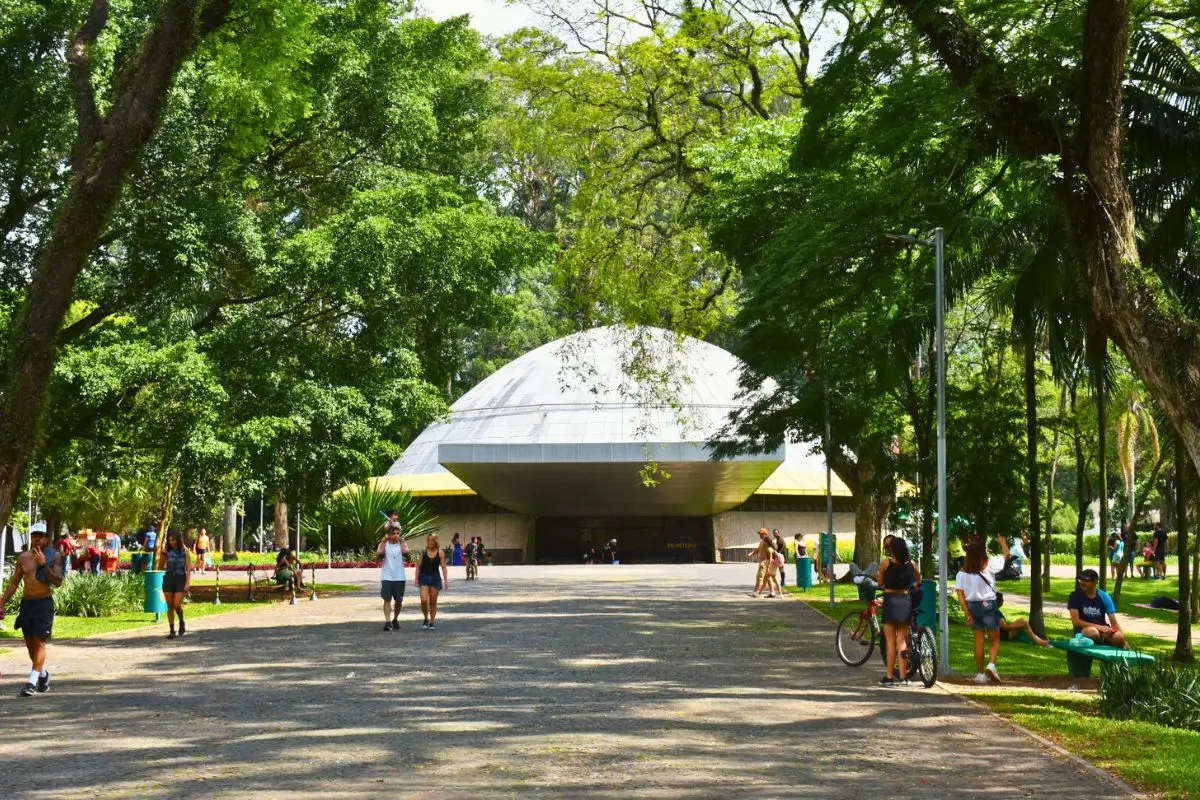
(358, 514)
(86, 595)
(1165, 694)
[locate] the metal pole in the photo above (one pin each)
(262, 504)
(829, 492)
(943, 565)
(329, 544)
(3, 548)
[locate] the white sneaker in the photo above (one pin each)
(981, 678)
(992, 673)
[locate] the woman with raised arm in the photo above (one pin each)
(176, 563)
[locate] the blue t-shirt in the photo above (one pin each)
(1092, 610)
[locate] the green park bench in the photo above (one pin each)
(1081, 655)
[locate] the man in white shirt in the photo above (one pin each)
(393, 551)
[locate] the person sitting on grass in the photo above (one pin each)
(1014, 630)
(1093, 613)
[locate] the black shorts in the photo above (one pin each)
(174, 584)
(897, 608)
(36, 618)
(392, 590)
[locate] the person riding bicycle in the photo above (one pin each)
(897, 575)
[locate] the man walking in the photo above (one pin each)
(202, 545)
(40, 569)
(393, 550)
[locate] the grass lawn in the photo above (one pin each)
(1015, 658)
(239, 582)
(80, 627)
(1150, 756)
(1133, 591)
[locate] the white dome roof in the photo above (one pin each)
(580, 390)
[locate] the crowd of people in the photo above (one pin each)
(1123, 551)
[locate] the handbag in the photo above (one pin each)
(992, 586)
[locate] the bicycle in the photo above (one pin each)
(860, 631)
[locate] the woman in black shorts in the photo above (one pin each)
(432, 578)
(176, 564)
(897, 575)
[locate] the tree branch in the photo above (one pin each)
(79, 68)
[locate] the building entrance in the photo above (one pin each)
(640, 540)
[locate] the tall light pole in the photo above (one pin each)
(937, 242)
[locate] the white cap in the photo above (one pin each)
(37, 527)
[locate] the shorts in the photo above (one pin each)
(897, 608)
(200, 554)
(432, 580)
(173, 584)
(392, 590)
(1160, 555)
(985, 615)
(36, 618)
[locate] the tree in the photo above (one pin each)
(117, 107)
(1183, 635)
(1083, 136)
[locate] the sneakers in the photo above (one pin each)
(43, 683)
(981, 678)
(29, 691)
(182, 630)
(425, 624)
(886, 682)
(432, 626)
(171, 635)
(387, 626)
(993, 674)
(395, 625)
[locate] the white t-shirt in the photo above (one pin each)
(393, 561)
(978, 587)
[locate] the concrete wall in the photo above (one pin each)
(734, 528)
(500, 532)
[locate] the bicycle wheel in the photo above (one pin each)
(924, 662)
(855, 639)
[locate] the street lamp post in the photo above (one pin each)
(943, 562)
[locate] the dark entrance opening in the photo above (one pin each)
(640, 540)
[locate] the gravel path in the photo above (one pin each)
(540, 682)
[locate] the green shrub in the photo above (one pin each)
(87, 595)
(1164, 694)
(1066, 545)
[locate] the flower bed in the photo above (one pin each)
(306, 565)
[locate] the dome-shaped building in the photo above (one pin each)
(549, 455)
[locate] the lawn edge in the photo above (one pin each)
(1054, 747)
(1075, 758)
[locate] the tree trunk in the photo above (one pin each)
(168, 507)
(1102, 470)
(1183, 633)
(229, 532)
(105, 149)
(282, 539)
(1031, 440)
(1083, 485)
(1062, 411)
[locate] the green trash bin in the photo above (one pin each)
(155, 603)
(804, 572)
(140, 562)
(927, 608)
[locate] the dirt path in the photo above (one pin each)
(544, 682)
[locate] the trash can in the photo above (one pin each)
(155, 603)
(140, 562)
(804, 572)
(927, 608)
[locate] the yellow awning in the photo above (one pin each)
(784, 481)
(429, 484)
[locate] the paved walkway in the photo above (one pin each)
(590, 682)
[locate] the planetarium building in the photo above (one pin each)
(602, 435)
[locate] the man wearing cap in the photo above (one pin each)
(1093, 613)
(40, 568)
